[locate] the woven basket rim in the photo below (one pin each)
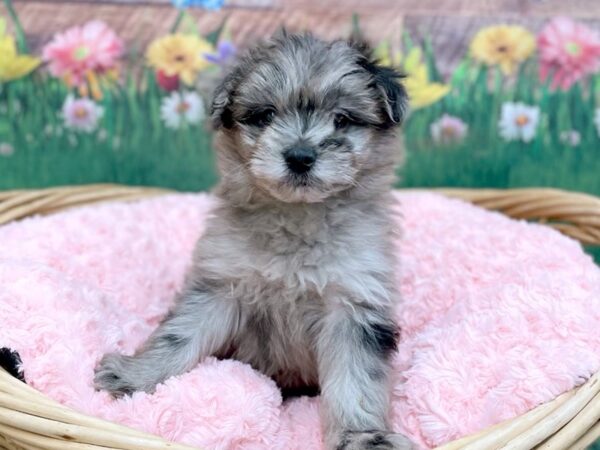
(30, 420)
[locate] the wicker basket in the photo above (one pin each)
(29, 420)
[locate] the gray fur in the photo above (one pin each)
(294, 274)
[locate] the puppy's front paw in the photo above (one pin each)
(400, 442)
(112, 375)
(374, 440)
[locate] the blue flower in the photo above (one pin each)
(224, 54)
(206, 4)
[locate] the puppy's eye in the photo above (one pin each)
(341, 121)
(260, 119)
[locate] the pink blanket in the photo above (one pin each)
(497, 317)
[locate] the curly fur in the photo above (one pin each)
(294, 274)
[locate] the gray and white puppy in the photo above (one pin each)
(294, 274)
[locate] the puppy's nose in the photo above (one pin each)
(300, 159)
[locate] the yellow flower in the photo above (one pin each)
(384, 56)
(421, 92)
(13, 65)
(503, 45)
(179, 54)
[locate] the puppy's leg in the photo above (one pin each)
(201, 324)
(353, 350)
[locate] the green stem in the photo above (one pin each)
(180, 16)
(21, 41)
(356, 32)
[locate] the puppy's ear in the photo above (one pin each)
(220, 111)
(396, 99)
(387, 80)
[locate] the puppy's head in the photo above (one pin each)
(301, 120)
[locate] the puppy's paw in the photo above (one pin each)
(373, 440)
(400, 442)
(113, 375)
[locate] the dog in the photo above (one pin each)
(295, 272)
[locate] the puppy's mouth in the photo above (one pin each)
(303, 181)
(293, 188)
(302, 188)
(290, 186)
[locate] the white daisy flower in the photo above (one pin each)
(572, 138)
(81, 114)
(448, 129)
(518, 121)
(182, 108)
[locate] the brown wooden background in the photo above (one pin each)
(450, 23)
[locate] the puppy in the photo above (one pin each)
(294, 274)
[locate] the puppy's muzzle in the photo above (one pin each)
(300, 159)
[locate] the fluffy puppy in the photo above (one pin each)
(294, 274)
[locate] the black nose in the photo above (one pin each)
(300, 159)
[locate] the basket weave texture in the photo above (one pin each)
(31, 421)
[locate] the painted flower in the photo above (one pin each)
(568, 51)
(12, 65)
(421, 91)
(206, 4)
(503, 45)
(448, 129)
(81, 114)
(179, 109)
(179, 55)
(6, 149)
(518, 121)
(83, 52)
(385, 56)
(168, 83)
(572, 138)
(225, 53)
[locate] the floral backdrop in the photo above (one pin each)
(520, 108)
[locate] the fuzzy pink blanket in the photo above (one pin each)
(497, 317)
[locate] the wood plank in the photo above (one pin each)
(138, 25)
(505, 8)
(228, 3)
(450, 24)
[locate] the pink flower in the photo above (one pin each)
(568, 52)
(448, 129)
(82, 50)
